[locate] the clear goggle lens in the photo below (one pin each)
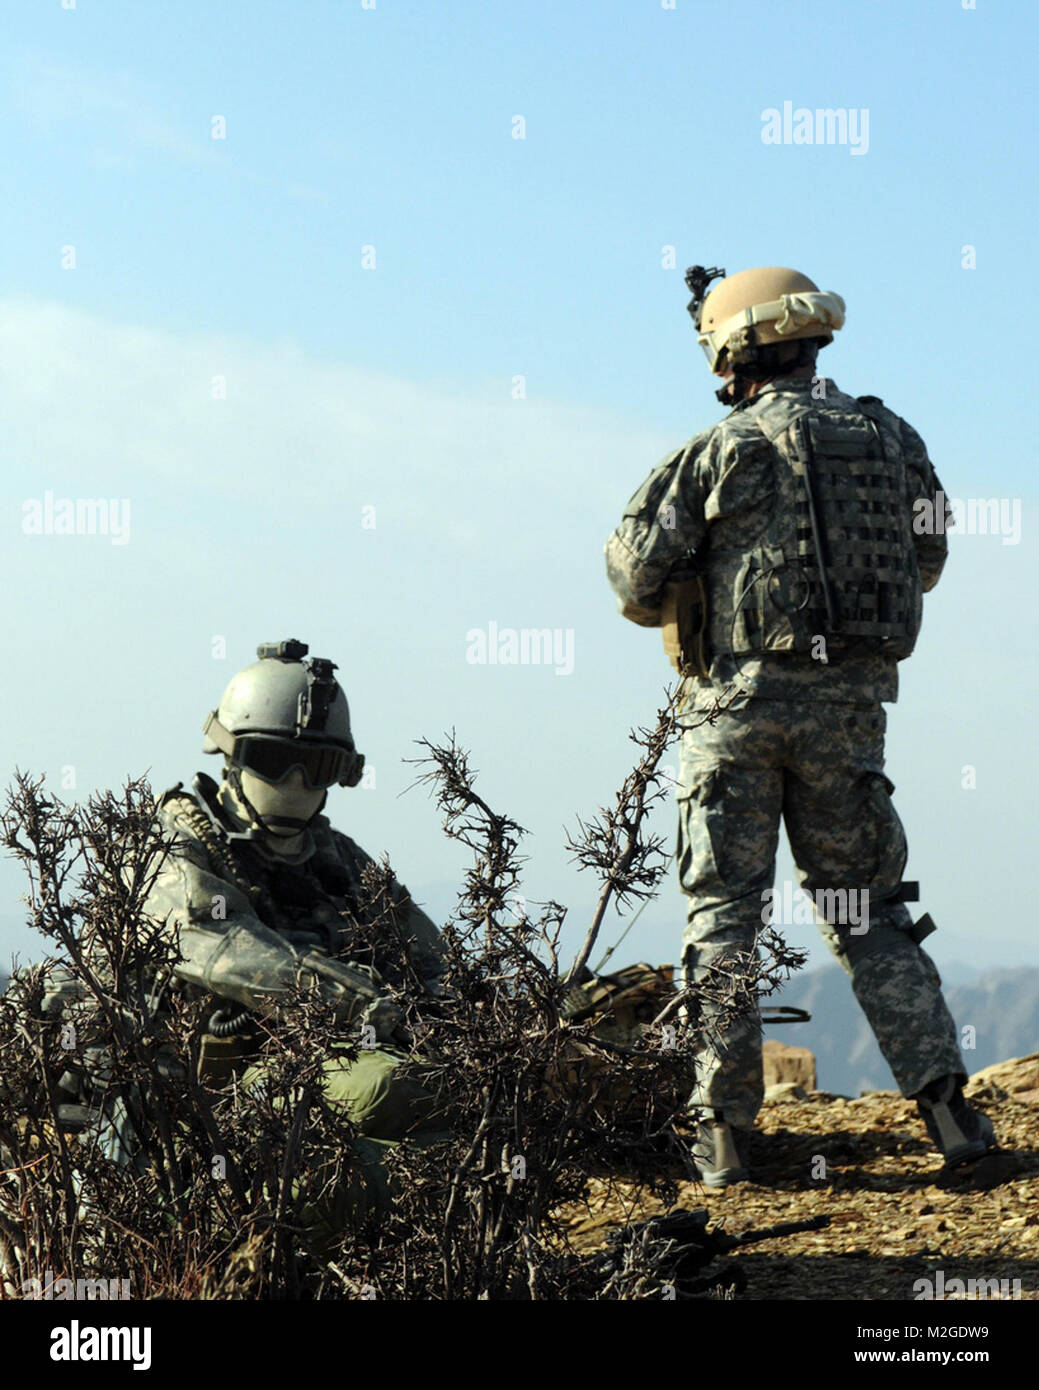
(709, 350)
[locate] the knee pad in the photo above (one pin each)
(883, 937)
(890, 924)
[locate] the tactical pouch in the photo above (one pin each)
(683, 622)
(219, 1059)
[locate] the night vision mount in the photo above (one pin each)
(697, 278)
(289, 650)
(320, 692)
(321, 689)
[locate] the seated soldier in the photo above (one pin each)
(264, 895)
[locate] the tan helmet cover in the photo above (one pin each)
(769, 304)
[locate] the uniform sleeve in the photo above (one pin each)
(425, 944)
(224, 947)
(427, 947)
(662, 524)
(927, 502)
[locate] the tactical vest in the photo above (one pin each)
(304, 903)
(823, 545)
(285, 898)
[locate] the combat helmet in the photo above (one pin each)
(752, 310)
(286, 712)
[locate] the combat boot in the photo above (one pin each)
(959, 1132)
(714, 1151)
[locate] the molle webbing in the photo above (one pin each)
(279, 894)
(224, 860)
(835, 557)
(868, 565)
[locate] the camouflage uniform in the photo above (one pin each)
(245, 922)
(243, 916)
(804, 741)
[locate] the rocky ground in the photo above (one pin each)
(895, 1217)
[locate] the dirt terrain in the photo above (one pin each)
(895, 1217)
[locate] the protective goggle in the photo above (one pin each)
(272, 759)
(789, 314)
(712, 353)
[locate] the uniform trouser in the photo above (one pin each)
(819, 767)
(386, 1107)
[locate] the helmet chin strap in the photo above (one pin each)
(736, 386)
(732, 390)
(293, 825)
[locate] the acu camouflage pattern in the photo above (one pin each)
(762, 563)
(732, 498)
(245, 920)
(818, 767)
(802, 740)
(249, 927)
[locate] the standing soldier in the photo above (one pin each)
(785, 553)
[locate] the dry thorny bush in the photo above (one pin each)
(189, 1191)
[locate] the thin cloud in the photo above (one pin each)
(450, 459)
(113, 107)
(124, 121)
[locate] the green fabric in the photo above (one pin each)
(386, 1107)
(381, 1103)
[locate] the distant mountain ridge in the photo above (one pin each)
(1000, 1006)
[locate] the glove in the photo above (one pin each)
(354, 989)
(384, 1016)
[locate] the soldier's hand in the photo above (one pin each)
(384, 1017)
(351, 988)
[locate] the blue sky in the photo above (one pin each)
(393, 387)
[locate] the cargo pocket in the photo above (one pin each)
(890, 850)
(701, 851)
(858, 732)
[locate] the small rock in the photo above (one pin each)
(1015, 1075)
(987, 1090)
(783, 1091)
(783, 1064)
